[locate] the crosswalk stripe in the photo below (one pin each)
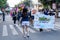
(57, 26)
(5, 32)
(20, 29)
(31, 30)
(13, 30)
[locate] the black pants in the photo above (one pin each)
(3, 18)
(14, 21)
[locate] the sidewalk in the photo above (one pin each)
(0, 18)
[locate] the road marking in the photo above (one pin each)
(57, 26)
(5, 32)
(13, 30)
(31, 30)
(20, 28)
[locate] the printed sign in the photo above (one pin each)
(43, 21)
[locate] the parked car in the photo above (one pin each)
(0, 12)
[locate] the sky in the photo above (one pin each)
(12, 3)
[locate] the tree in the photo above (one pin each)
(3, 3)
(57, 1)
(47, 3)
(44, 2)
(27, 2)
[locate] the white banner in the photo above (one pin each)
(43, 21)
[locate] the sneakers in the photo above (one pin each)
(26, 35)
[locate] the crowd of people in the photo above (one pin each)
(23, 16)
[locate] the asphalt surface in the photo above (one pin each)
(10, 32)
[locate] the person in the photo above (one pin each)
(32, 16)
(32, 19)
(25, 22)
(18, 16)
(3, 12)
(11, 12)
(46, 11)
(41, 13)
(14, 15)
(29, 12)
(51, 13)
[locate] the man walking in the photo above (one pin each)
(3, 12)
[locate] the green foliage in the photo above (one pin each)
(57, 1)
(27, 2)
(48, 2)
(45, 3)
(3, 3)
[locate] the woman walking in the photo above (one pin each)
(18, 16)
(14, 15)
(25, 22)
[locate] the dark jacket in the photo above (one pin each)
(14, 15)
(19, 15)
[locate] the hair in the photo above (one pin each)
(25, 12)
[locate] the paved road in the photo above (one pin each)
(0, 18)
(10, 32)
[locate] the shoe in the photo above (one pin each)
(27, 34)
(41, 30)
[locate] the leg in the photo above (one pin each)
(3, 18)
(27, 31)
(18, 22)
(26, 28)
(14, 21)
(24, 31)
